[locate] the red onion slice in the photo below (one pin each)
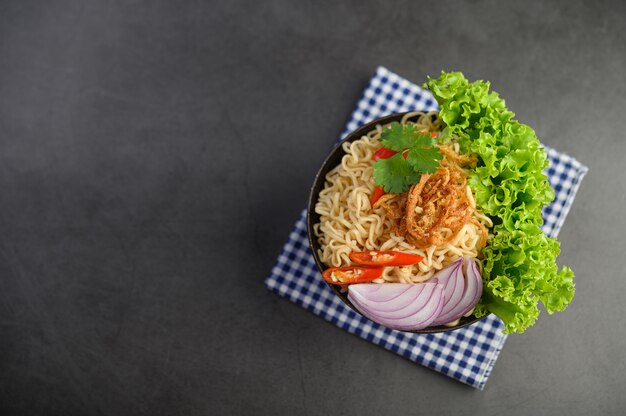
(422, 303)
(473, 275)
(382, 292)
(454, 285)
(472, 285)
(393, 309)
(397, 298)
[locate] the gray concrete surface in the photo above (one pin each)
(154, 155)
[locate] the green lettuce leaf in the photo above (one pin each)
(509, 185)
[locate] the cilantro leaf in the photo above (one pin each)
(425, 140)
(424, 159)
(394, 174)
(416, 155)
(399, 137)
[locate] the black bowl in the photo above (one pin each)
(333, 159)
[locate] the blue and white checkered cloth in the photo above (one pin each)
(467, 354)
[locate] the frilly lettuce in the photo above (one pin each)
(509, 185)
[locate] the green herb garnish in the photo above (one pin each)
(417, 155)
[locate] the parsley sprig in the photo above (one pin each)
(417, 154)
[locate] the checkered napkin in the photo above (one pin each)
(467, 354)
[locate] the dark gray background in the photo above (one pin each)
(154, 156)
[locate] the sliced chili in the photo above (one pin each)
(378, 192)
(383, 153)
(351, 274)
(384, 258)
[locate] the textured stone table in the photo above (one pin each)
(154, 155)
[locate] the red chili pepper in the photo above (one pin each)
(384, 258)
(383, 153)
(380, 191)
(351, 274)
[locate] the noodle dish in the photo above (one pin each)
(432, 221)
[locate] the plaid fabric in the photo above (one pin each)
(467, 354)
